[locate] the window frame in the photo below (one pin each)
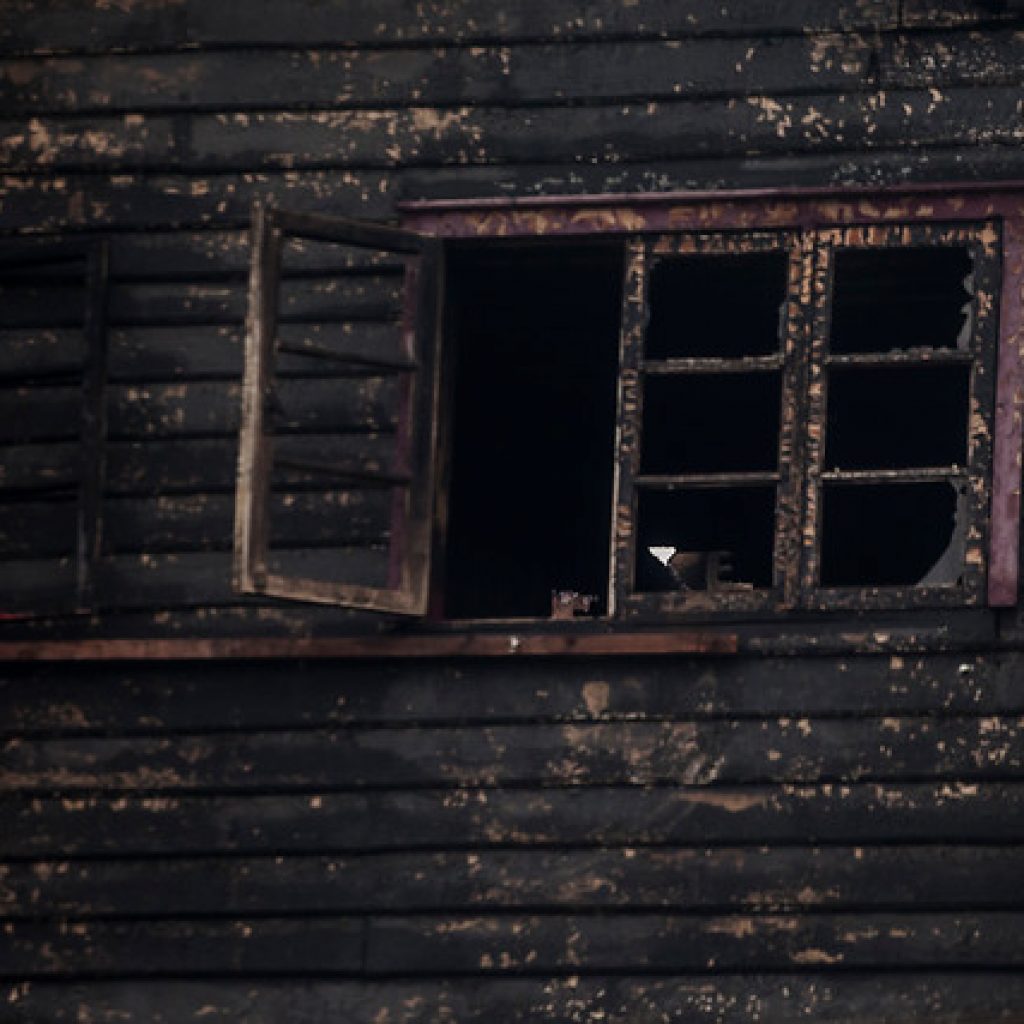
(982, 238)
(643, 252)
(804, 360)
(808, 215)
(410, 479)
(810, 210)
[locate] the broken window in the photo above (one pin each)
(632, 424)
(901, 379)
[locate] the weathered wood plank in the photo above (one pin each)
(62, 25)
(860, 813)
(334, 299)
(529, 73)
(181, 465)
(70, 203)
(154, 698)
(794, 879)
(40, 413)
(959, 13)
(939, 59)
(34, 466)
(192, 579)
(38, 529)
(148, 353)
(197, 948)
(57, 204)
(910, 997)
(42, 352)
(195, 522)
(198, 408)
(223, 253)
(43, 306)
(503, 944)
(615, 133)
(691, 753)
(662, 943)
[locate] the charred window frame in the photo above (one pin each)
(393, 575)
(942, 379)
(795, 507)
(813, 245)
(53, 306)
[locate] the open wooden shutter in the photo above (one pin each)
(335, 475)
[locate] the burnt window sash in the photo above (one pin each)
(92, 257)
(632, 483)
(806, 361)
(978, 358)
(409, 479)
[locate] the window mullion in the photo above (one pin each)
(628, 414)
(817, 254)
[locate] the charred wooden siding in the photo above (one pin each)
(627, 840)
(831, 837)
(155, 126)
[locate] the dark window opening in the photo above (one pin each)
(711, 423)
(705, 540)
(716, 305)
(901, 298)
(897, 417)
(908, 534)
(535, 330)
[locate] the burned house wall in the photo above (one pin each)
(830, 831)
(832, 838)
(153, 128)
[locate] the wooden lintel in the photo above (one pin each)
(474, 645)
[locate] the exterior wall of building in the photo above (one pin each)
(824, 826)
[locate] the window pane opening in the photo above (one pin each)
(707, 539)
(535, 331)
(893, 534)
(885, 299)
(711, 423)
(724, 306)
(897, 417)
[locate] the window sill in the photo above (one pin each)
(451, 645)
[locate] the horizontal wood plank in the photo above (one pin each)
(112, 825)
(485, 944)
(182, 465)
(602, 133)
(203, 407)
(688, 753)
(155, 698)
(61, 25)
(140, 202)
(520, 74)
(253, 947)
(795, 879)
(195, 522)
(316, 301)
(190, 351)
(918, 997)
(31, 353)
(192, 579)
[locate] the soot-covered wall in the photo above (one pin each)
(826, 828)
